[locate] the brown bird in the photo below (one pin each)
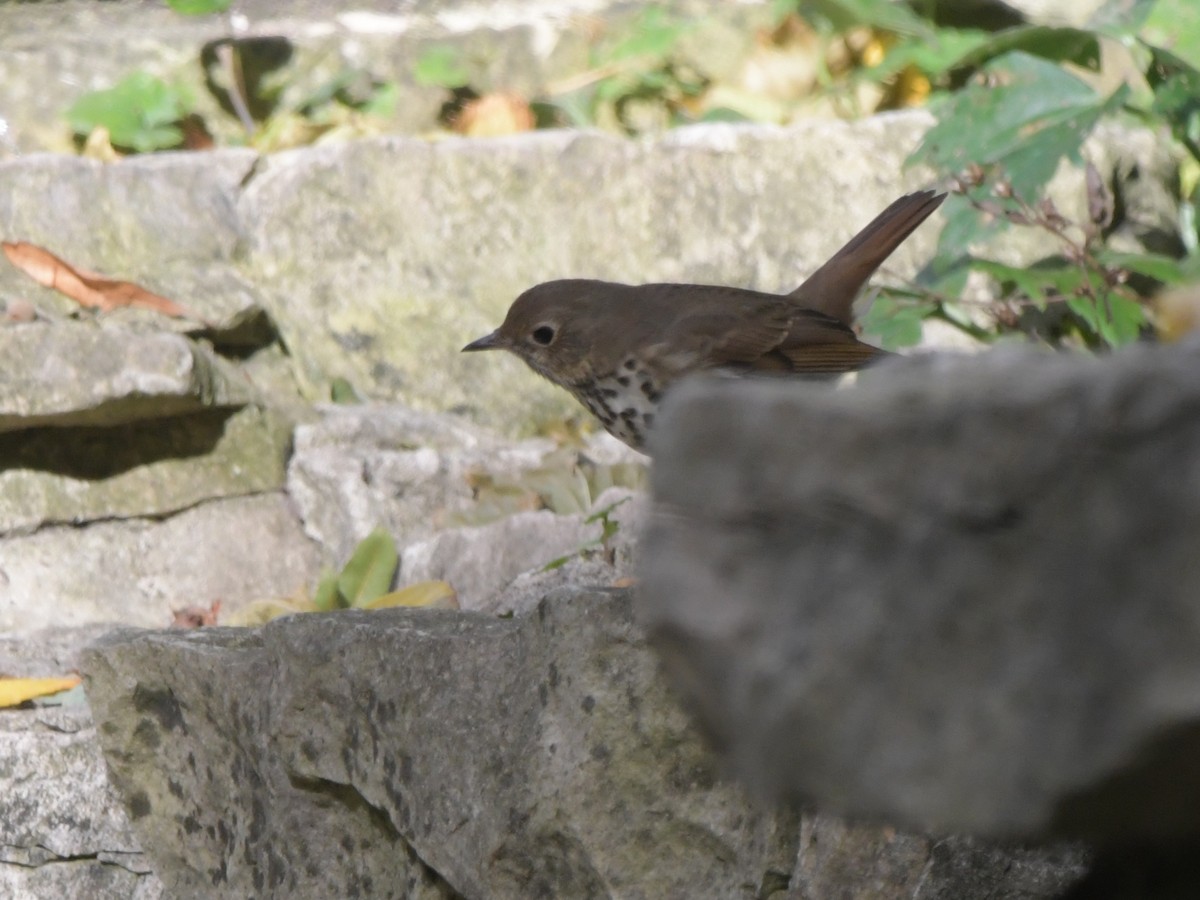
(618, 347)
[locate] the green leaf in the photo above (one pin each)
(198, 7)
(1028, 115)
(933, 56)
(1073, 45)
(653, 35)
(139, 112)
(895, 321)
(370, 571)
(1041, 283)
(342, 391)
(1165, 269)
(846, 14)
(1116, 319)
(383, 100)
(1122, 18)
(440, 67)
(1176, 87)
(326, 597)
(1175, 23)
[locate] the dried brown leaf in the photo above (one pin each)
(88, 289)
(196, 616)
(495, 114)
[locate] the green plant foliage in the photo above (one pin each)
(440, 67)
(608, 530)
(894, 319)
(369, 573)
(326, 597)
(199, 7)
(140, 112)
(1024, 114)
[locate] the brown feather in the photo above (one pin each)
(832, 288)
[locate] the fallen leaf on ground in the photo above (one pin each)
(260, 612)
(15, 691)
(493, 115)
(86, 288)
(196, 616)
(424, 594)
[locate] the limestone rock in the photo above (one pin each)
(138, 571)
(536, 756)
(418, 473)
(46, 653)
(961, 595)
(53, 476)
(63, 832)
(364, 466)
(869, 862)
(479, 561)
(433, 241)
(82, 374)
(166, 221)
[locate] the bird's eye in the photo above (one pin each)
(543, 335)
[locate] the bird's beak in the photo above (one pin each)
(487, 342)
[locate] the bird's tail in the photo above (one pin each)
(832, 288)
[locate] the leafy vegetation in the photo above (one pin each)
(363, 583)
(1013, 102)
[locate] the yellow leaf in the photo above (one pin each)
(428, 594)
(15, 691)
(262, 611)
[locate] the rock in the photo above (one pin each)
(959, 596)
(550, 760)
(536, 756)
(386, 291)
(137, 571)
(364, 466)
(63, 833)
(605, 561)
(53, 476)
(416, 473)
(81, 374)
(870, 862)
(479, 561)
(166, 221)
(47, 653)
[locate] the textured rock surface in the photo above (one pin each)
(71, 374)
(418, 474)
(537, 756)
(62, 831)
(479, 561)
(430, 242)
(46, 653)
(869, 862)
(379, 259)
(457, 755)
(75, 475)
(167, 221)
(360, 467)
(137, 571)
(950, 583)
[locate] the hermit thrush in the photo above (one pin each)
(618, 347)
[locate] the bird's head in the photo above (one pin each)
(552, 328)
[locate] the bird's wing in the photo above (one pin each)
(817, 344)
(713, 327)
